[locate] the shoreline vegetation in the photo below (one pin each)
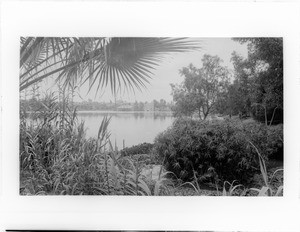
(226, 138)
(34, 104)
(53, 166)
(112, 111)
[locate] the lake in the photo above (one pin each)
(132, 127)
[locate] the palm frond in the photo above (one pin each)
(116, 62)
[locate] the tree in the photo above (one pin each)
(159, 105)
(183, 101)
(136, 106)
(156, 105)
(201, 89)
(106, 61)
(141, 106)
(235, 101)
(265, 65)
(241, 91)
(162, 103)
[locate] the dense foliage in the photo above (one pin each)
(202, 89)
(258, 86)
(256, 89)
(216, 151)
(143, 148)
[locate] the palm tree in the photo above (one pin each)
(114, 62)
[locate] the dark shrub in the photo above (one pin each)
(143, 148)
(268, 139)
(214, 151)
(259, 115)
(142, 152)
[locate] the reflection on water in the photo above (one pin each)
(132, 127)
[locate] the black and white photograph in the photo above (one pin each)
(151, 116)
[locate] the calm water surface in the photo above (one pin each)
(132, 127)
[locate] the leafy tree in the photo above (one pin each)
(160, 105)
(235, 102)
(265, 66)
(138, 106)
(156, 105)
(162, 102)
(185, 102)
(240, 92)
(201, 89)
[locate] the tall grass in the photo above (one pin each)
(57, 159)
(267, 189)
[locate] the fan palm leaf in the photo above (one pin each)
(103, 62)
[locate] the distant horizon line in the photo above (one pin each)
(110, 101)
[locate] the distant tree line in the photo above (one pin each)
(34, 104)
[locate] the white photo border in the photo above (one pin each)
(149, 18)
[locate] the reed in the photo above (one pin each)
(57, 159)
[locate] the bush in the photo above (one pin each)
(143, 148)
(269, 139)
(142, 152)
(215, 151)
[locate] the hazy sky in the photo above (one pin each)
(168, 71)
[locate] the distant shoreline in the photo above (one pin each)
(123, 111)
(112, 111)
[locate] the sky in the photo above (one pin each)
(168, 72)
